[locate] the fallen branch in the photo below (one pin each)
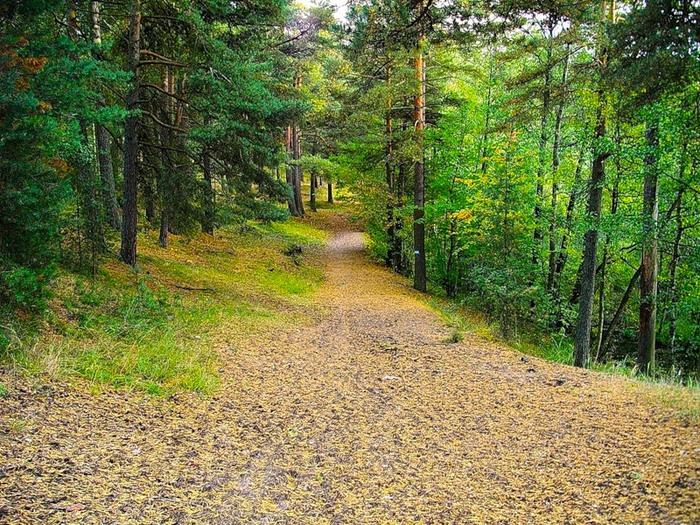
(193, 288)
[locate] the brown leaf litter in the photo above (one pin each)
(358, 414)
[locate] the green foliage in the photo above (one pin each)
(26, 287)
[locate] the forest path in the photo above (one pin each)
(363, 413)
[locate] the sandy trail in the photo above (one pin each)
(362, 414)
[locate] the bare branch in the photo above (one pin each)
(161, 123)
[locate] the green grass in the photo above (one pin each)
(155, 330)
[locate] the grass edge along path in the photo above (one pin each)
(153, 329)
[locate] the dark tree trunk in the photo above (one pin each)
(163, 235)
(620, 308)
(537, 235)
(330, 193)
(149, 196)
(484, 146)
(582, 334)
(602, 269)
(109, 192)
(391, 256)
(562, 255)
(298, 198)
(209, 194)
(104, 158)
(312, 191)
(555, 178)
(131, 142)
(209, 203)
(673, 267)
(646, 353)
(290, 173)
(419, 275)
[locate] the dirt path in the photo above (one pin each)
(362, 415)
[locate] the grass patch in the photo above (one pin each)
(156, 329)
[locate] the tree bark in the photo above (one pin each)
(673, 266)
(104, 158)
(296, 155)
(556, 141)
(419, 273)
(620, 308)
(330, 193)
(582, 335)
(209, 194)
(298, 198)
(163, 233)
(389, 175)
(537, 235)
(312, 191)
(648, 283)
(290, 174)
(131, 142)
(562, 255)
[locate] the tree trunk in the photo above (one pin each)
(330, 193)
(312, 191)
(673, 266)
(163, 234)
(646, 353)
(615, 202)
(620, 308)
(108, 189)
(298, 198)
(389, 176)
(209, 194)
(539, 185)
(555, 177)
(582, 335)
(296, 155)
(419, 275)
(131, 142)
(290, 173)
(484, 145)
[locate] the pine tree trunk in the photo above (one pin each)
(556, 141)
(298, 196)
(109, 192)
(646, 353)
(108, 189)
(537, 235)
(562, 255)
(296, 156)
(290, 174)
(620, 308)
(582, 334)
(312, 191)
(131, 142)
(163, 234)
(673, 266)
(210, 204)
(419, 275)
(389, 177)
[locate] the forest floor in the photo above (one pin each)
(357, 409)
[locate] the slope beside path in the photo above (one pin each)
(362, 412)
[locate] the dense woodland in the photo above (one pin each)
(534, 161)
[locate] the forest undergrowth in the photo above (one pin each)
(150, 329)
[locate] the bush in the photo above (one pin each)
(26, 287)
